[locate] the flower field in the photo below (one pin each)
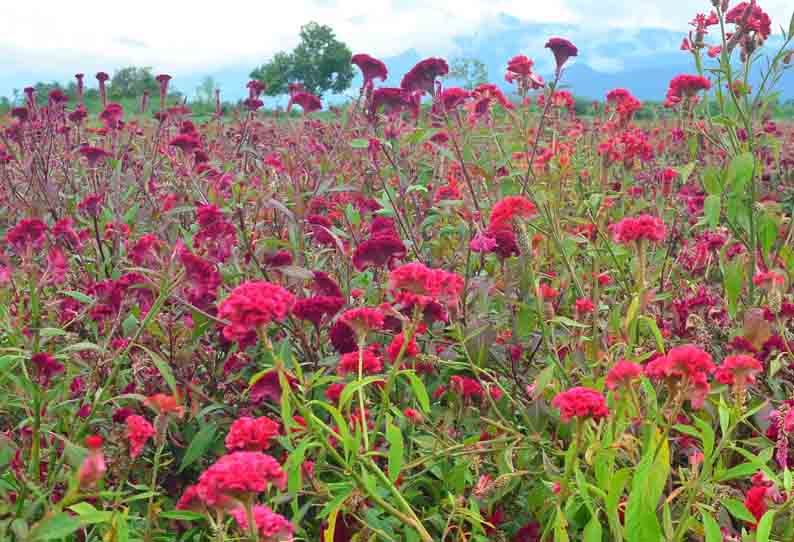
(433, 314)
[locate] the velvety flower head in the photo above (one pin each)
(343, 338)
(640, 228)
(686, 370)
(363, 319)
(453, 97)
(371, 68)
(308, 102)
(28, 233)
(769, 279)
(252, 434)
(391, 101)
(371, 363)
(468, 388)
(46, 367)
(580, 402)
(562, 50)
(520, 65)
(93, 154)
(415, 283)
(272, 527)
(165, 404)
(622, 374)
(255, 88)
(584, 306)
(396, 345)
(314, 309)
(187, 143)
(508, 209)
(253, 305)
(240, 474)
(422, 76)
(378, 251)
(749, 17)
(738, 370)
(138, 432)
(687, 86)
(93, 468)
(324, 285)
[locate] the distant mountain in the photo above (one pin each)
(641, 60)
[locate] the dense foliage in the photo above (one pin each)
(466, 319)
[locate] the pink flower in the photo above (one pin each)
(251, 306)
(685, 369)
(93, 468)
(506, 210)
(622, 374)
(348, 363)
(640, 228)
(239, 474)
(46, 367)
(466, 387)
(562, 50)
(738, 370)
(314, 309)
(580, 402)
(378, 251)
(251, 434)
(584, 306)
(271, 527)
(139, 431)
(423, 75)
(371, 68)
(308, 102)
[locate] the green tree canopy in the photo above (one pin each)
(320, 62)
(470, 71)
(130, 82)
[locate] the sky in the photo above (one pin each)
(53, 39)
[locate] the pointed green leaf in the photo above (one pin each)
(396, 450)
(198, 446)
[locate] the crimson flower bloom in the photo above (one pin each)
(622, 374)
(640, 228)
(391, 100)
(252, 434)
(371, 68)
(308, 102)
(738, 370)
(378, 251)
(46, 367)
(685, 370)
(582, 403)
(239, 475)
(520, 65)
(253, 305)
(363, 319)
(165, 404)
(93, 468)
(416, 284)
(508, 209)
(562, 50)
(756, 20)
(93, 154)
(687, 86)
(348, 363)
(139, 430)
(452, 98)
(272, 527)
(422, 76)
(29, 233)
(187, 143)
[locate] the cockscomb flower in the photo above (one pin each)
(685, 370)
(93, 154)
(314, 309)
(371, 68)
(239, 475)
(308, 102)
(415, 283)
(506, 210)
(93, 468)
(27, 234)
(371, 363)
(46, 367)
(640, 228)
(187, 143)
(582, 403)
(622, 374)
(138, 432)
(687, 86)
(562, 50)
(391, 101)
(466, 387)
(396, 345)
(252, 306)
(255, 88)
(165, 404)
(520, 65)
(363, 320)
(378, 251)
(270, 526)
(749, 17)
(422, 76)
(252, 434)
(769, 280)
(738, 370)
(584, 306)
(453, 97)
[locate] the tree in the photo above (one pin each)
(320, 62)
(470, 71)
(205, 92)
(130, 82)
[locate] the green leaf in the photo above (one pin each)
(396, 449)
(181, 515)
(560, 527)
(51, 332)
(55, 527)
(711, 210)
(642, 524)
(593, 531)
(764, 528)
(420, 392)
(360, 143)
(738, 510)
(732, 282)
(199, 445)
(163, 367)
(740, 172)
(711, 528)
(711, 182)
(79, 296)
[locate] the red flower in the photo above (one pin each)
(580, 402)
(238, 475)
(392, 101)
(643, 227)
(378, 251)
(622, 374)
(253, 305)
(371, 68)
(415, 283)
(738, 370)
(138, 432)
(272, 527)
(314, 309)
(187, 143)
(453, 97)
(363, 319)
(308, 102)
(348, 363)
(29, 233)
(413, 415)
(93, 468)
(466, 387)
(343, 338)
(46, 367)
(423, 75)
(686, 370)
(334, 392)
(584, 306)
(769, 279)
(755, 501)
(562, 50)
(687, 86)
(508, 209)
(520, 65)
(756, 20)
(93, 154)
(251, 434)
(325, 285)
(165, 404)
(411, 349)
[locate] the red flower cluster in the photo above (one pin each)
(308, 102)
(685, 369)
(371, 363)
(251, 434)
(562, 50)
(272, 527)
(738, 370)
(416, 284)
(371, 68)
(314, 309)
(422, 76)
(580, 402)
(686, 86)
(236, 475)
(640, 228)
(138, 432)
(253, 305)
(506, 210)
(622, 374)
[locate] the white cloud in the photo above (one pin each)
(179, 37)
